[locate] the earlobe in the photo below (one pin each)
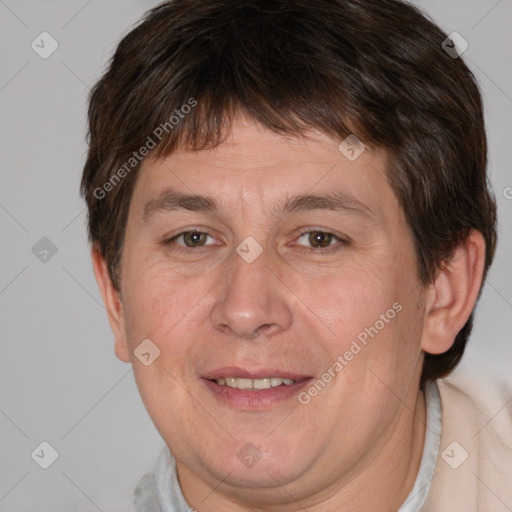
(453, 295)
(113, 305)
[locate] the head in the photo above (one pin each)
(228, 119)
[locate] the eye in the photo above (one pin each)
(191, 239)
(319, 239)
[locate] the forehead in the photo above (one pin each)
(257, 166)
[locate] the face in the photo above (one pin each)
(271, 258)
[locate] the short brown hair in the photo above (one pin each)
(375, 68)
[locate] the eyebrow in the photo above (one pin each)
(170, 200)
(335, 200)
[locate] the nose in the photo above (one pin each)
(252, 301)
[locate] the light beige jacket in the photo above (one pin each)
(474, 465)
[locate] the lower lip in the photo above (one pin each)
(255, 400)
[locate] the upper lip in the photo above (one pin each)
(234, 371)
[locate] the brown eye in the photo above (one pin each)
(193, 238)
(317, 239)
(320, 239)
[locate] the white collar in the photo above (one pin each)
(419, 492)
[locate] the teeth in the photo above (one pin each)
(261, 383)
(267, 383)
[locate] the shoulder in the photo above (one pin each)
(474, 464)
(471, 402)
(159, 490)
(145, 495)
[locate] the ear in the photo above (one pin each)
(453, 295)
(113, 305)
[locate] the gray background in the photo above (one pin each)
(60, 381)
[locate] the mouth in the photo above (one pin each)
(245, 390)
(254, 384)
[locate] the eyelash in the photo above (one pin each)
(183, 249)
(342, 242)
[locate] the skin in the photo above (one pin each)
(357, 444)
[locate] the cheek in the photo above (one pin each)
(159, 301)
(349, 300)
(366, 314)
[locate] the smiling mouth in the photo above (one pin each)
(254, 389)
(254, 384)
(255, 394)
